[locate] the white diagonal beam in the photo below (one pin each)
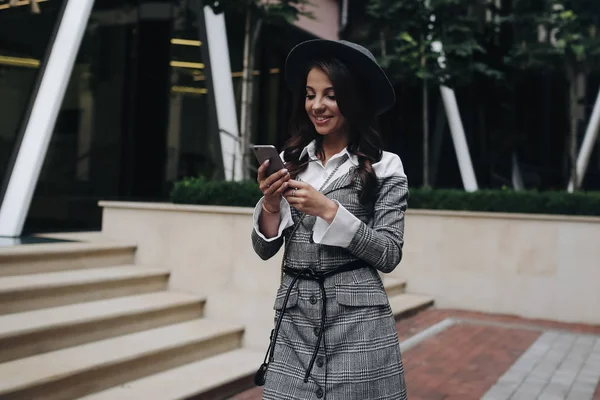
(591, 133)
(42, 119)
(220, 72)
(458, 138)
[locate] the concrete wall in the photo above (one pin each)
(206, 248)
(533, 266)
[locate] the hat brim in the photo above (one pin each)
(380, 90)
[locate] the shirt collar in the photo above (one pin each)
(310, 150)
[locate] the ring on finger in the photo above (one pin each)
(294, 193)
(268, 185)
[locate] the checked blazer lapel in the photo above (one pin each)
(341, 182)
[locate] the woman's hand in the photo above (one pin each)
(272, 186)
(307, 199)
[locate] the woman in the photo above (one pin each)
(340, 206)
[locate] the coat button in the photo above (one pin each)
(316, 331)
(311, 240)
(320, 362)
(319, 393)
(313, 299)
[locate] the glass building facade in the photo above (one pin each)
(137, 113)
(135, 116)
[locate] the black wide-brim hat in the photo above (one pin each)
(358, 59)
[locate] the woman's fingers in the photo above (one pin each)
(276, 176)
(274, 187)
(281, 189)
(294, 191)
(274, 182)
(299, 184)
(262, 171)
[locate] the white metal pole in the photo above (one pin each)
(591, 133)
(42, 119)
(456, 127)
(458, 137)
(223, 93)
(516, 177)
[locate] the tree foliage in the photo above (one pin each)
(554, 34)
(273, 11)
(424, 39)
(560, 35)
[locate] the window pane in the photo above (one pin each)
(24, 38)
(86, 153)
(192, 149)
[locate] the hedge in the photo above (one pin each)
(246, 194)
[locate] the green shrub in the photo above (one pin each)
(222, 193)
(529, 202)
(246, 194)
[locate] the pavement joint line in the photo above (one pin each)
(431, 331)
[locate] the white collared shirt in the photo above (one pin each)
(344, 226)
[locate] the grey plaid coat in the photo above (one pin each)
(360, 357)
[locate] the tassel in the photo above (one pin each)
(260, 376)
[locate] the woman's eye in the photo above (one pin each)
(331, 97)
(310, 96)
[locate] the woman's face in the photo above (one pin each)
(321, 106)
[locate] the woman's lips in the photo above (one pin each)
(321, 120)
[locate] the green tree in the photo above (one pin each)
(256, 12)
(560, 35)
(421, 41)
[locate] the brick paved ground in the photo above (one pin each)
(465, 360)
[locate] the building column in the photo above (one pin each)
(51, 86)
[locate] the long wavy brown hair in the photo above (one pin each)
(364, 139)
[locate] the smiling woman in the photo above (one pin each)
(338, 209)
(321, 105)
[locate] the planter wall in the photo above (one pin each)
(534, 266)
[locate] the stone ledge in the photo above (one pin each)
(64, 248)
(176, 207)
(504, 215)
(418, 212)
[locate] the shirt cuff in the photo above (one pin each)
(285, 218)
(340, 232)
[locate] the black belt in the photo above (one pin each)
(310, 275)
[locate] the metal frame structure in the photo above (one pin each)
(53, 81)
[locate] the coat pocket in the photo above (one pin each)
(361, 294)
(292, 300)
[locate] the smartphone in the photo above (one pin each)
(268, 152)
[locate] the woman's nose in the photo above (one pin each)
(318, 105)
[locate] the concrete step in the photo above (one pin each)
(407, 304)
(35, 332)
(36, 291)
(394, 286)
(93, 367)
(48, 257)
(213, 378)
